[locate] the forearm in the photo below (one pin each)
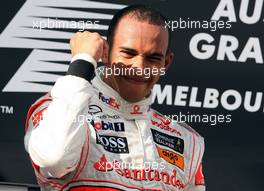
(57, 140)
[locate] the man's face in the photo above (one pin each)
(141, 46)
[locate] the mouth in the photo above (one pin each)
(135, 80)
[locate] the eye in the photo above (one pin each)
(154, 58)
(127, 54)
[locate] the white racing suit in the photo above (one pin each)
(83, 136)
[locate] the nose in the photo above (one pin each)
(138, 62)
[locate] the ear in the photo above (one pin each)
(168, 60)
(105, 52)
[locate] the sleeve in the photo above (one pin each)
(197, 182)
(54, 136)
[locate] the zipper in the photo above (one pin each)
(142, 146)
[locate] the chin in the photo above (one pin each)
(131, 97)
(132, 91)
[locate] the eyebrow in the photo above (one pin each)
(156, 54)
(129, 49)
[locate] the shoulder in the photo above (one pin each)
(36, 110)
(163, 122)
(180, 138)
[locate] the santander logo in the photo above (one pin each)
(138, 174)
(103, 165)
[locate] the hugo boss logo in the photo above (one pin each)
(113, 144)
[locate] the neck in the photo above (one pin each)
(111, 82)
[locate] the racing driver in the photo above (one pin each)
(95, 131)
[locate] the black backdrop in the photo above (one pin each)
(234, 155)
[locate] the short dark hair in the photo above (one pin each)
(141, 13)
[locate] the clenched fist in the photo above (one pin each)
(90, 43)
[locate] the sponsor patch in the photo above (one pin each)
(168, 178)
(37, 117)
(113, 144)
(103, 125)
(164, 123)
(109, 101)
(107, 116)
(94, 109)
(161, 118)
(171, 157)
(199, 177)
(135, 110)
(175, 143)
